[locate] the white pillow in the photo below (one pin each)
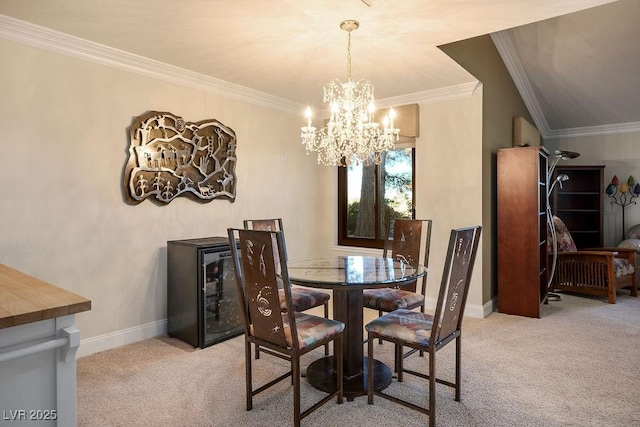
(633, 232)
(631, 244)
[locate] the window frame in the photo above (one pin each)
(343, 232)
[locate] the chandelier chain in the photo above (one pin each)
(349, 55)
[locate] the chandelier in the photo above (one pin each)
(351, 135)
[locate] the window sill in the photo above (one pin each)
(356, 250)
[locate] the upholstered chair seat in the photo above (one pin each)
(389, 299)
(304, 299)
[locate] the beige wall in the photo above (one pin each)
(621, 156)
(63, 218)
(448, 182)
(501, 102)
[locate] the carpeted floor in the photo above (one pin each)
(578, 365)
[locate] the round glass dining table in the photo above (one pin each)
(347, 277)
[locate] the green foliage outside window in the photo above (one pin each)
(391, 182)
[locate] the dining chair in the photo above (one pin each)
(407, 240)
(426, 332)
(303, 298)
(259, 267)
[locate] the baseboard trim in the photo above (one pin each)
(119, 338)
(471, 310)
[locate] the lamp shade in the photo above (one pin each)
(615, 181)
(610, 189)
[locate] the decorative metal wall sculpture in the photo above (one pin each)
(169, 157)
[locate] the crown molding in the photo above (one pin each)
(617, 128)
(505, 46)
(511, 60)
(449, 93)
(44, 38)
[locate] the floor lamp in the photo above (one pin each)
(559, 155)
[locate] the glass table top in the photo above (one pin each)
(353, 272)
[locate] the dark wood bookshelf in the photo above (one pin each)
(579, 203)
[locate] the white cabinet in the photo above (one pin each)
(38, 344)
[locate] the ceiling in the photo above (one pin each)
(579, 73)
(576, 62)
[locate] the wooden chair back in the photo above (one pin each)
(409, 240)
(454, 289)
(258, 265)
(274, 224)
(271, 224)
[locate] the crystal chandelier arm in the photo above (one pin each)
(308, 114)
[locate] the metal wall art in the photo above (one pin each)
(169, 157)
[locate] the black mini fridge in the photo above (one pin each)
(202, 297)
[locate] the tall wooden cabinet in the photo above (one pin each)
(522, 230)
(579, 203)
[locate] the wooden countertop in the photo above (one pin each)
(25, 299)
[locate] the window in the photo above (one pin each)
(370, 196)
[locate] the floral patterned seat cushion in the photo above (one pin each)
(565, 241)
(407, 325)
(303, 299)
(389, 299)
(623, 267)
(311, 329)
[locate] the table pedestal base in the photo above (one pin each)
(321, 374)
